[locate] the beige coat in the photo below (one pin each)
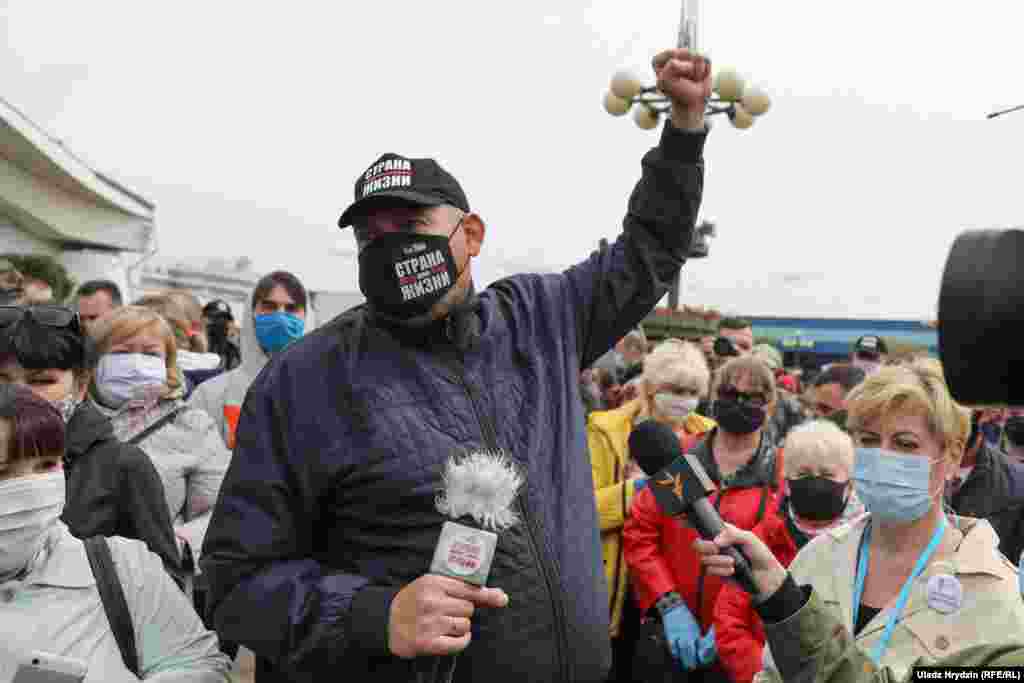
(991, 612)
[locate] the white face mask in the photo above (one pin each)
(29, 507)
(672, 407)
(122, 377)
(869, 367)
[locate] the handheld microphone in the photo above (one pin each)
(481, 487)
(682, 487)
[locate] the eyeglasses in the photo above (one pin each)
(733, 394)
(370, 227)
(59, 317)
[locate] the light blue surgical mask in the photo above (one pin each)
(274, 331)
(893, 486)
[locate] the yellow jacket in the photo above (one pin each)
(608, 438)
(991, 610)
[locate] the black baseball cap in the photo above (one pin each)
(217, 307)
(871, 345)
(421, 182)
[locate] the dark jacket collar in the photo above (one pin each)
(987, 487)
(799, 538)
(460, 328)
(759, 470)
(86, 427)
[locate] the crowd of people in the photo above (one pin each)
(118, 421)
(875, 462)
(177, 487)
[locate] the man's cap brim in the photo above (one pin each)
(384, 197)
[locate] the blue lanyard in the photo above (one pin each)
(901, 602)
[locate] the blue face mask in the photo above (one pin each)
(892, 486)
(274, 331)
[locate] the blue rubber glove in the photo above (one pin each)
(707, 648)
(682, 634)
(639, 484)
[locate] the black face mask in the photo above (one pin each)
(738, 418)
(817, 498)
(404, 274)
(1015, 430)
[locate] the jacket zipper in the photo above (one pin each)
(491, 441)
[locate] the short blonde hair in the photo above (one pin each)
(818, 442)
(916, 387)
(675, 361)
(174, 313)
(751, 366)
(128, 321)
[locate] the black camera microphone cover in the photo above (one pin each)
(981, 318)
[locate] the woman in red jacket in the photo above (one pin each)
(671, 587)
(819, 460)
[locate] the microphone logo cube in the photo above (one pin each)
(464, 553)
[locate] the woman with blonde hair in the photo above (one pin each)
(139, 386)
(910, 580)
(675, 376)
(193, 359)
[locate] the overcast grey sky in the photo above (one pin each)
(247, 123)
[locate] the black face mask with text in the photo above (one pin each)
(404, 274)
(817, 498)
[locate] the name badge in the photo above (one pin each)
(945, 593)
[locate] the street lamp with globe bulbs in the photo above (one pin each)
(732, 95)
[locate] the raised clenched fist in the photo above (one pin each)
(685, 79)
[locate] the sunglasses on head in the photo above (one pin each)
(59, 317)
(733, 394)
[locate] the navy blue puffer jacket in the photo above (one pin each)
(328, 510)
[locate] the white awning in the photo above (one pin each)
(52, 193)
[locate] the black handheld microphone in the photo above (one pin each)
(682, 487)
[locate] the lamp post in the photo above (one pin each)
(742, 102)
(699, 248)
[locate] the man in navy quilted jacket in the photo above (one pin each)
(319, 551)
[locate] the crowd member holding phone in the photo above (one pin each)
(50, 602)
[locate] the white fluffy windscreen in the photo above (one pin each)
(482, 485)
